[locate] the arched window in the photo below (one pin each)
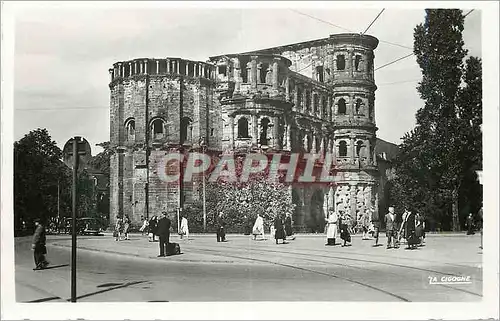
(316, 103)
(263, 73)
(264, 125)
(357, 60)
(130, 129)
(358, 106)
(158, 128)
(243, 128)
(342, 106)
(186, 130)
(359, 146)
(340, 62)
(342, 149)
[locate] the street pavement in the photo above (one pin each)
(242, 269)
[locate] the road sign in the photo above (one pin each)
(74, 149)
(83, 150)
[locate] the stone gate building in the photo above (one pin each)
(316, 97)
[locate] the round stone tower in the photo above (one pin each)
(351, 78)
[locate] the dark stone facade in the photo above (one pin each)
(314, 97)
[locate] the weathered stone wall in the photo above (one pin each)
(313, 97)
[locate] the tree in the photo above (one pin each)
(38, 170)
(439, 155)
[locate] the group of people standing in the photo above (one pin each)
(334, 223)
(411, 228)
(122, 226)
(280, 229)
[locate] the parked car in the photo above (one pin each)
(89, 225)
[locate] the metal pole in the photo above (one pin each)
(73, 227)
(204, 202)
(58, 206)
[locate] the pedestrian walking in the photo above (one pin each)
(220, 225)
(344, 222)
(470, 224)
(144, 227)
(163, 230)
(401, 227)
(258, 227)
(390, 227)
(410, 231)
(289, 226)
(126, 227)
(279, 233)
(184, 227)
(365, 224)
(331, 227)
(419, 228)
(39, 247)
(118, 229)
(152, 228)
(375, 225)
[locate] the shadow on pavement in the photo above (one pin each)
(110, 289)
(52, 298)
(56, 266)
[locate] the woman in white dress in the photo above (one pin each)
(331, 227)
(258, 227)
(184, 228)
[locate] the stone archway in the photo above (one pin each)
(316, 219)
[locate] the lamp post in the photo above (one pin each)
(203, 146)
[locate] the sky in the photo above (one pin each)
(63, 52)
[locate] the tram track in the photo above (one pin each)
(309, 259)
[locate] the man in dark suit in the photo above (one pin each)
(38, 246)
(390, 227)
(163, 229)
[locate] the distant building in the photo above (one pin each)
(315, 97)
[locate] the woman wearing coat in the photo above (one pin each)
(184, 228)
(410, 227)
(279, 229)
(331, 227)
(258, 227)
(126, 227)
(344, 228)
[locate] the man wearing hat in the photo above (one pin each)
(376, 224)
(163, 230)
(38, 246)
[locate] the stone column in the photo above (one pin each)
(236, 76)
(231, 137)
(296, 97)
(333, 150)
(313, 102)
(287, 88)
(168, 66)
(275, 133)
(353, 149)
(141, 68)
(120, 69)
(255, 129)
(178, 67)
(351, 105)
(253, 72)
(275, 74)
(187, 68)
(111, 72)
(157, 67)
(146, 67)
(352, 196)
(350, 62)
(304, 99)
(135, 67)
(329, 108)
(368, 161)
(130, 69)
